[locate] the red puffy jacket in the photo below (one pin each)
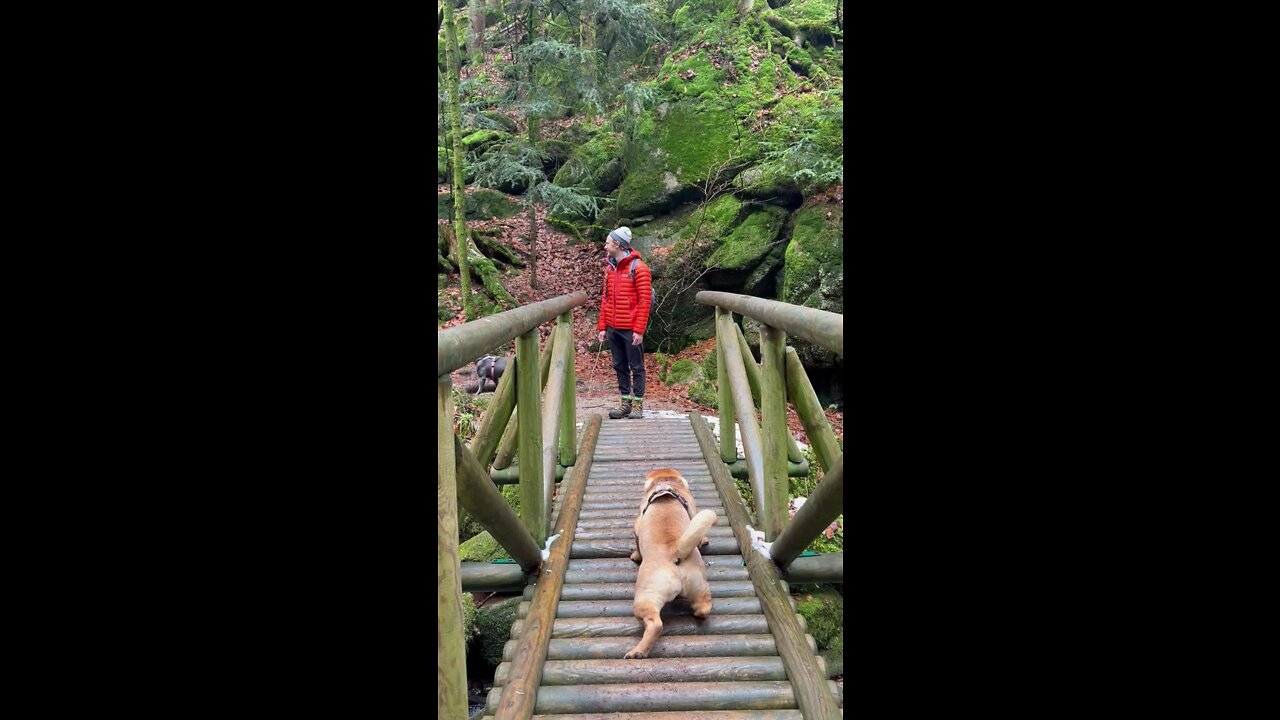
(625, 304)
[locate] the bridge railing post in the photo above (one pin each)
(569, 411)
(451, 671)
(529, 421)
(773, 419)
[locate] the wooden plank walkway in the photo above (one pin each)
(724, 668)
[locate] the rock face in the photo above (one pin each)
(814, 273)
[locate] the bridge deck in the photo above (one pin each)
(724, 668)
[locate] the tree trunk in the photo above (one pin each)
(838, 22)
(589, 43)
(475, 8)
(533, 245)
(455, 119)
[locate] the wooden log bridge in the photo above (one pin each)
(752, 659)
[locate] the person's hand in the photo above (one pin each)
(600, 337)
(637, 338)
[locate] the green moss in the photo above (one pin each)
(693, 139)
(823, 610)
(507, 123)
(809, 12)
(681, 372)
(583, 168)
(512, 494)
(444, 313)
(481, 205)
(482, 138)
(704, 394)
(815, 254)
(708, 223)
(749, 242)
(709, 366)
(468, 621)
(482, 548)
(493, 623)
(442, 163)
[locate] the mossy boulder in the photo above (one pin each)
(557, 153)
(823, 610)
(482, 548)
(493, 625)
(672, 155)
(814, 272)
(498, 118)
(681, 372)
(704, 394)
(750, 243)
(584, 167)
(480, 140)
(481, 205)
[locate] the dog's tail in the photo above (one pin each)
(693, 534)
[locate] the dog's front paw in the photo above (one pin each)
(704, 542)
(635, 556)
(635, 655)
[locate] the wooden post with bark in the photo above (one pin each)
(532, 506)
(728, 439)
(451, 671)
(773, 420)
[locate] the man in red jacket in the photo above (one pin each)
(624, 315)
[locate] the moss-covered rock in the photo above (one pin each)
(669, 159)
(482, 548)
(498, 118)
(480, 140)
(704, 394)
(481, 205)
(823, 610)
(493, 624)
(681, 372)
(584, 166)
(750, 241)
(557, 153)
(814, 271)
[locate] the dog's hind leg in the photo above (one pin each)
(699, 594)
(649, 613)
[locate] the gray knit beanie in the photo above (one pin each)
(622, 236)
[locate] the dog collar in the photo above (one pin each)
(666, 491)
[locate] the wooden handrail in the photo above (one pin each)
(819, 327)
(460, 345)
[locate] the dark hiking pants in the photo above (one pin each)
(628, 362)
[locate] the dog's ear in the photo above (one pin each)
(684, 482)
(649, 479)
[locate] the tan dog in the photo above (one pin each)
(669, 530)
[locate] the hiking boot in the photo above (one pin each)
(637, 409)
(622, 411)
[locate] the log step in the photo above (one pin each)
(716, 561)
(677, 646)
(632, 697)
(631, 627)
(627, 533)
(630, 510)
(627, 591)
(623, 575)
(686, 715)
(706, 669)
(622, 548)
(623, 608)
(632, 504)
